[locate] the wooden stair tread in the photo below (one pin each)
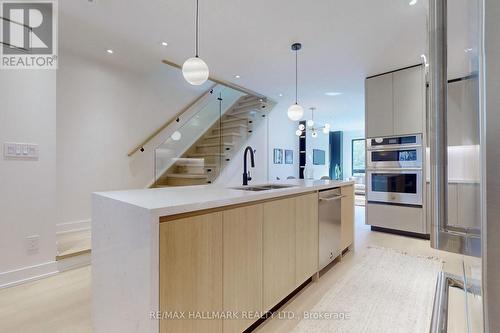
(225, 121)
(71, 244)
(214, 136)
(231, 126)
(186, 160)
(215, 144)
(207, 154)
(186, 175)
(248, 103)
(236, 114)
(247, 97)
(73, 253)
(205, 165)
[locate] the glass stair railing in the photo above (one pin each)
(202, 146)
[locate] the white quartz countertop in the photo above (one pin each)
(176, 200)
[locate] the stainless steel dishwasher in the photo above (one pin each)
(329, 214)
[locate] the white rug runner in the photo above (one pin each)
(388, 291)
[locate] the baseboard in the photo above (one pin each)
(73, 226)
(27, 274)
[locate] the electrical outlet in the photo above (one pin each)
(32, 244)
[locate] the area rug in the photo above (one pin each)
(387, 291)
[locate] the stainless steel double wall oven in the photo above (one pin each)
(395, 170)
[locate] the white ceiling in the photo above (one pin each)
(343, 42)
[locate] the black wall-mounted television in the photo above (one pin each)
(318, 157)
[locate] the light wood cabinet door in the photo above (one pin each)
(279, 251)
(409, 102)
(306, 235)
(191, 271)
(378, 106)
(242, 264)
(347, 217)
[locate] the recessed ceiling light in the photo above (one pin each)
(164, 43)
(333, 93)
(237, 76)
(280, 95)
(110, 51)
(413, 2)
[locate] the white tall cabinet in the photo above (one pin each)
(395, 103)
(379, 106)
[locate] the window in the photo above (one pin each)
(358, 156)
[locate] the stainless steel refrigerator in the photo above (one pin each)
(464, 141)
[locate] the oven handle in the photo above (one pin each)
(392, 169)
(388, 148)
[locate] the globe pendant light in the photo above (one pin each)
(195, 70)
(295, 111)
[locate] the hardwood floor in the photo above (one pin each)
(62, 303)
(59, 304)
(312, 294)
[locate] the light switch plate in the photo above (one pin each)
(20, 151)
(32, 244)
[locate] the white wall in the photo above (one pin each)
(321, 142)
(103, 111)
(27, 188)
(282, 135)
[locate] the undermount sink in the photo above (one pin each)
(262, 187)
(276, 186)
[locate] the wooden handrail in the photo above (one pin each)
(170, 121)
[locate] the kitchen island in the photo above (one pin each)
(204, 258)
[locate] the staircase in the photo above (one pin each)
(202, 162)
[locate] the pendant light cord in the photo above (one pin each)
(296, 78)
(196, 34)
